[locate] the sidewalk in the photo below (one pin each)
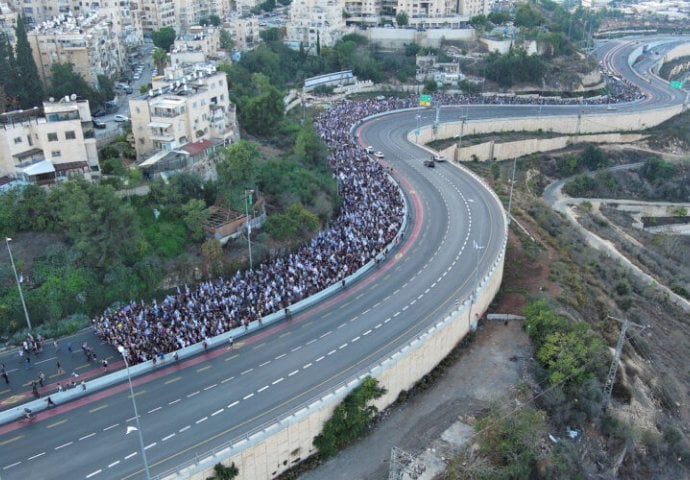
(19, 389)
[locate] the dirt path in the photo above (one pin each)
(484, 372)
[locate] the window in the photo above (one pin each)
(18, 140)
(55, 153)
(52, 137)
(70, 135)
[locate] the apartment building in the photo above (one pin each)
(90, 44)
(312, 20)
(186, 105)
(244, 7)
(8, 20)
(196, 46)
(48, 144)
(156, 14)
(244, 32)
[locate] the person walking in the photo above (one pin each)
(3, 373)
(28, 362)
(41, 379)
(50, 402)
(60, 371)
(105, 364)
(69, 348)
(34, 389)
(56, 345)
(83, 386)
(59, 388)
(231, 343)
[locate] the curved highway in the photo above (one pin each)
(455, 231)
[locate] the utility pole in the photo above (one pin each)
(512, 184)
(611, 377)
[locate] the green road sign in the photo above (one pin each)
(677, 85)
(425, 100)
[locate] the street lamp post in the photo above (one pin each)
(19, 286)
(474, 276)
(248, 198)
(416, 132)
(123, 352)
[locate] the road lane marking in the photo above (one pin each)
(234, 356)
(294, 372)
(320, 358)
(11, 465)
(264, 364)
(130, 455)
(175, 401)
(262, 389)
(307, 366)
(201, 420)
(296, 348)
(233, 403)
(192, 394)
(367, 332)
(226, 380)
(342, 346)
(310, 342)
(37, 455)
(246, 397)
(210, 387)
(246, 371)
(14, 439)
(280, 356)
(87, 436)
(285, 334)
(277, 381)
(326, 334)
(173, 380)
(56, 424)
(150, 446)
(168, 437)
(184, 429)
(355, 339)
(198, 370)
(64, 445)
(94, 473)
(116, 462)
(331, 352)
(155, 410)
(261, 345)
(217, 412)
(109, 428)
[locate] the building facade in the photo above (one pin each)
(49, 144)
(244, 32)
(186, 105)
(313, 22)
(91, 44)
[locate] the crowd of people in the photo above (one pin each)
(370, 217)
(371, 214)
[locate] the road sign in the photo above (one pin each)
(677, 85)
(425, 100)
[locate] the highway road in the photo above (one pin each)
(455, 230)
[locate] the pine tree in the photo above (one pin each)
(30, 88)
(8, 80)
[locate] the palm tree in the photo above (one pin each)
(221, 472)
(160, 58)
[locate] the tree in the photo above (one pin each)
(8, 81)
(64, 81)
(237, 168)
(261, 113)
(106, 88)
(31, 92)
(159, 58)
(164, 38)
(225, 40)
(195, 216)
(309, 148)
(402, 19)
(221, 472)
(294, 223)
(270, 35)
(593, 157)
(212, 256)
(527, 17)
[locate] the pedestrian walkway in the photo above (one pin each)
(67, 366)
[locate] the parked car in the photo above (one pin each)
(439, 158)
(98, 124)
(378, 154)
(430, 163)
(370, 149)
(121, 118)
(99, 112)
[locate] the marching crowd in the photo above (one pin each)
(371, 214)
(370, 217)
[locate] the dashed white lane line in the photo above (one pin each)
(192, 394)
(201, 420)
(233, 403)
(294, 372)
(262, 389)
(427, 290)
(387, 320)
(116, 462)
(264, 364)
(151, 445)
(307, 366)
(155, 409)
(331, 352)
(280, 356)
(109, 428)
(175, 401)
(248, 396)
(37, 455)
(367, 332)
(86, 436)
(405, 307)
(341, 325)
(226, 380)
(184, 429)
(168, 437)
(246, 371)
(130, 455)
(210, 387)
(217, 412)
(355, 339)
(11, 465)
(64, 445)
(342, 346)
(365, 312)
(396, 314)
(310, 342)
(326, 334)
(320, 358)
(378, 325)
(92, 474)
(277, 381)
(296, 348)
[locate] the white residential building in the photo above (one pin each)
(49, 145)
(186, 105)
(244, 32)
(316, 21)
